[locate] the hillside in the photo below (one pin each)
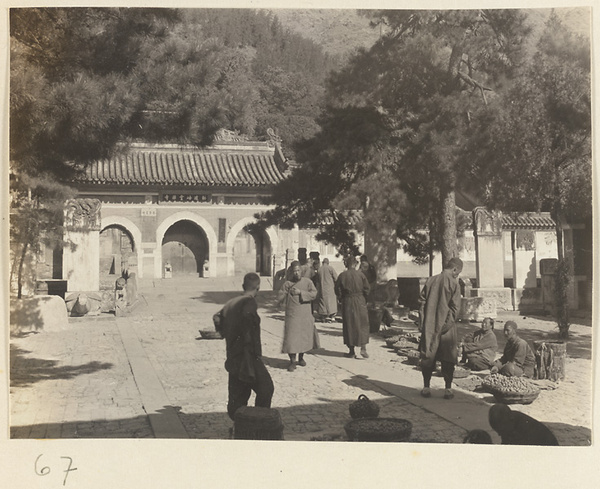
(341, 31)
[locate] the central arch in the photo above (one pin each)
(205, 230)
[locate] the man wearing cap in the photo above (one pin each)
(517, 360)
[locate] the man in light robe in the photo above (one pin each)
(299, 334)
(440, 303)
(326, 302)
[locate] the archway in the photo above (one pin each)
(118, 253)
(252, 251)
(184, 249)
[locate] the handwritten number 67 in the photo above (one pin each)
(45, 470)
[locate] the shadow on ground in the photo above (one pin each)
(333, 414)
(25, 371)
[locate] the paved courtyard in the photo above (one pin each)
(149, 375)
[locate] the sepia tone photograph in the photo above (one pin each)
(343, 227)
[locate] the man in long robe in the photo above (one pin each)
(479, 348)
(353, 289)
(299, 334)
(440, 303)
(517, 360)
(238, 321)
(326, 302)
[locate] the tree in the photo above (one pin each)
(533, 145)
(70, 99)
(417, 89)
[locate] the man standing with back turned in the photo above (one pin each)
(239, 323)
(440, 303)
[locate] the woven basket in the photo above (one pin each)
(378, 429)
(461, 373)
(208, 334)
(507, 397)
(363, 408)
(391, 340)
(257, 423)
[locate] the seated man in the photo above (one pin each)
(516, 428)
(518, 360)
(479, 348)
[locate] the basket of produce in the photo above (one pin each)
(392, 331)
(461, 373)
(511, 390)
(413, 356)
(209, 334)
(391, 340)
(402, 344)
(378, 429)
(363, 408)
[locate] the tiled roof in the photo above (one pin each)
(225, 165)
(530, 220)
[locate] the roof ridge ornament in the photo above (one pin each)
(274, 139)
(227, 135)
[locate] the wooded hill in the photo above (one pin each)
(341, 31)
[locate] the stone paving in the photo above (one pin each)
(150, 375)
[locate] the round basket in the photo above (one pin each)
(257, 423)
(363, 408)
(208, 334)
(378, 429)
(508, 397)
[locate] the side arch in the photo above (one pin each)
(132, 229)
(162, 228)
(233, 232)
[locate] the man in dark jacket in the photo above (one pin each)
(239, 323)
(440, 303)
(517, 360)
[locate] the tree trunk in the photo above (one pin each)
(449, 247)
(562, 282)
(20, 273)
(550, 359)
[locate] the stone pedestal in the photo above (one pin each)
(502, 296)
(477, 308)
(81, 256)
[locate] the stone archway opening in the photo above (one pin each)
(252, 252)
(118, 254)
(185, 249)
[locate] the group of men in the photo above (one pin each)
(239, 323)
(440, 304)
(316, 290)
(306, 290)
